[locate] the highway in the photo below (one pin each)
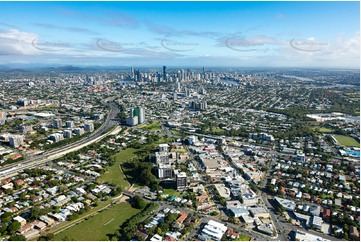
(110, 121)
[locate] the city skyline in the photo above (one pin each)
(234, 34)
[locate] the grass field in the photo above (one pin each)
(323, 129)
(114, 174)
(346, 141)
(98, 226)
(171, 192)
(175, 132)
(243, 237)
(151, 127)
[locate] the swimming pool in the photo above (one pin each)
(353, 153)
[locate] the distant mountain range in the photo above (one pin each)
(69, 68)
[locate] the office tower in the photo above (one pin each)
(132, 72)
(57, 123)
(138, 76)
(164, 73)
(182, 181)
(69, 124)
(89, 127)
(16, 140)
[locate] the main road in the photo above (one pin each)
(110, 121)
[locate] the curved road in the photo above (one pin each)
(10, 169)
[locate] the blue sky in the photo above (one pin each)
(244, 34)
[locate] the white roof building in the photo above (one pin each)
(213, 230)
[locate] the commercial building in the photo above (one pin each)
(213, 231)
(16, 140)
(250, 199)
(259, 212)
(317, 222)
(286, 204)
(236, 208)
(303, 236)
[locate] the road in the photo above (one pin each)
(14, 168)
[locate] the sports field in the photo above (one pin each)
(98, 226)
(346, 141)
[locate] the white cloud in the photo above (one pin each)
(15, 42)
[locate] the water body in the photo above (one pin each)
(299, 78)
(353, 153)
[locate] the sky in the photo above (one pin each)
(217, 34)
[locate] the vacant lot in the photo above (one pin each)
(346, 141)
(97, 227)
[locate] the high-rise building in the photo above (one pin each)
(164, 73)
(57, 123)
(89, 127)
(137, 113)
(163, 147)
(132, 73)
(141, 115)
(56, 137)
(165, 171)
(69, 124)
(138, 76)
(16, 140)
(183, 75)
(132, 121)
(79, 131)
(182, 181)
(68, 134)
(23, 102)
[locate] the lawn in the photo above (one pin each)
(114, 174)
(243, 237)
(323, 129)
(346, 141)
(171, 192)
(98, 226)
(151, 127)
(175, 132)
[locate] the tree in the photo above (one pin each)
(14, 226)
(17, 238)
(139, 202)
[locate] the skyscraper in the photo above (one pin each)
(132, 72)
(164, 73)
